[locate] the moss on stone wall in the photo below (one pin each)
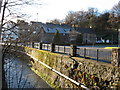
(46, 78)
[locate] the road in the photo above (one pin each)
(99, 46)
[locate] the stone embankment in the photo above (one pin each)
(90, 73)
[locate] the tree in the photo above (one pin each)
(56, 39)
(10, 31)
(116, 9)
(92, 14)
(82, 18)
(75, 18)
(101, 24)
(69, 19)
(115, 16)
(10, 12)
(55, 21)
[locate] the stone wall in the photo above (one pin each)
(115, 57)
(90, 73)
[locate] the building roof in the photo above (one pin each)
(51, 28)
(62, 28)
(85, 30)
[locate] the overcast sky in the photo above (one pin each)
(51, 9)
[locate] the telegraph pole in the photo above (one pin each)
(0, 53)
(0, 5)
(118, 37)
(37, 17)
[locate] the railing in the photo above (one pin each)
(98, 54)
(62, 49)
(58, 48)
(46, 47)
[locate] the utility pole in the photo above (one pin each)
(0, 5)
(118, 37)
(37, 17)
(0, 53)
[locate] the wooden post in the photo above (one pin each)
(47, 47)
(40, 45)
(64, 49)
(58, 48)
(73, 50)
(115, 61)
(32, 44)
(97, 54)
(84, 52)
(52, 49)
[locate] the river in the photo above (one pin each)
(19, 75)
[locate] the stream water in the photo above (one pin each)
(19, 75)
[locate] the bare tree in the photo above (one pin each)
(116, 9)
(92, 14)
(10, 11)
(55, 21)
(70, 18)
(82, 18)
(114, 18)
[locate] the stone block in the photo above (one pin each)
(115, 61)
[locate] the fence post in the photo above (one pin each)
(97, 54)
(32, 44)
(73, 50)
(84, 52)
(47, 47)
(115, 61)
(40, 45)
(52, 49)
(58, 48)
(64, 49)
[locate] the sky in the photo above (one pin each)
(51, 9)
